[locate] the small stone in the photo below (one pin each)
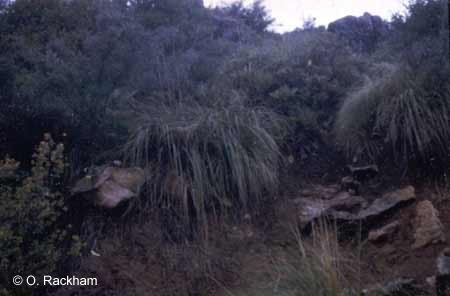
(344, 201)
(443, 273)
(398, 287)
(350, 185)
(306, 192)
(431, 280)
(291, 159)
(384, 233)
(327, 192)
(363, 173)
(320, 191)
(428, 226)
(443, 262)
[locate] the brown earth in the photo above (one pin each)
(379, 262)
(243, 259)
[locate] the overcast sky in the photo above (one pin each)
(290, 14)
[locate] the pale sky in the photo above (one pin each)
(290, 14)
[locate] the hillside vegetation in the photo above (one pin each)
(223, 115)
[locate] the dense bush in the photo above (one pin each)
(63, 62)
(302, 76)
(422, 34)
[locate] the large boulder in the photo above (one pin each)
(428, 227)
(109, 186)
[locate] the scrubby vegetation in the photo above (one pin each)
(33, 239)
(219, 111)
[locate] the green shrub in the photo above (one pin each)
(31, 238)
(303, 76)
(205, 159)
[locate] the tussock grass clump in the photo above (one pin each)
(201, 160)
(356, 121)
(396, 115)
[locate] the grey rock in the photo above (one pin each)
(387, 202)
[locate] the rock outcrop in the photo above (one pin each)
(362, 33)
(346, 208)
(428, 227)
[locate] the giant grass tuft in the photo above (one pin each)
(205, 160)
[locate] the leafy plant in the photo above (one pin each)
(31, 240)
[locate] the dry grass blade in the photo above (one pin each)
(318, 267)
